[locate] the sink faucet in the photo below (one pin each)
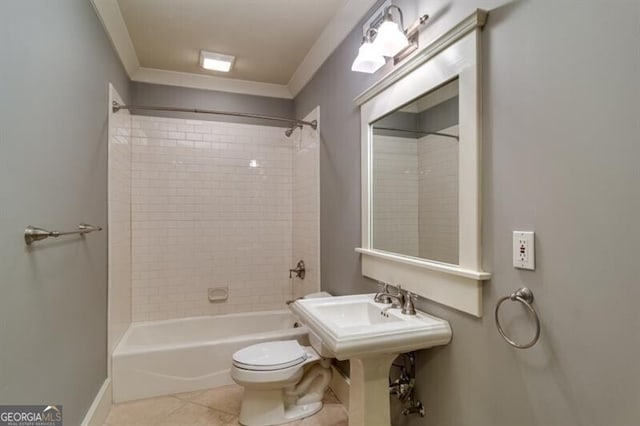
(382, 296)
(396, 300)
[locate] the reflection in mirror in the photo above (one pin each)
(415, 178)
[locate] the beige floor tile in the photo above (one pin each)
(143, 412)
(194, 414)
(330, 415)
(226, 398)
(189, 396)
(214, 407)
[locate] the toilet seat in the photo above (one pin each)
(270, 356)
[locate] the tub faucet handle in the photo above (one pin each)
(299, 270)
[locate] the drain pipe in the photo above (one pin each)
(404, 386)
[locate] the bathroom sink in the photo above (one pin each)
(349, 314)
(370, 335)
(345, 327)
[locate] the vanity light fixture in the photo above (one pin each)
(391, 38)
(369, 59)
(386, 37)
(216, 61)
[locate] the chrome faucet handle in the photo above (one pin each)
(397, 299)
(409, 308)
(299, 270)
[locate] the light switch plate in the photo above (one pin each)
(524, 254)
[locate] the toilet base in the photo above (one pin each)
(266, 408)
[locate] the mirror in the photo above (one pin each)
(414, 177)
(421, 170)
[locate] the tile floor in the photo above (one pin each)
(214, 407)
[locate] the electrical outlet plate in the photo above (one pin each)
(524, 250)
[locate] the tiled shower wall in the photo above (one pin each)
(395, 195)
(438, 209)
(211, 207)
(415, 189)
(306, 206)
(119, 229)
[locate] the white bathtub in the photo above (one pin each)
(167, 357)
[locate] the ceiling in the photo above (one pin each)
(278, 44)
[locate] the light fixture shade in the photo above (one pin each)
(216, 61)
(369, 60)
(390, 39)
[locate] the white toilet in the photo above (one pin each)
(283, 381)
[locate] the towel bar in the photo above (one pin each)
(32, 233)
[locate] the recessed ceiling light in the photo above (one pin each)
(216, 61)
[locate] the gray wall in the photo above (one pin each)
(398, 120)
(561, 157)
(440, 117)
(54, 75)
(158, 95)
(434, 119)
(333, 88)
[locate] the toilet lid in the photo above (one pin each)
(270, 356)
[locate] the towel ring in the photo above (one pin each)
(524, 296)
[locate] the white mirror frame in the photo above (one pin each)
(456, 54)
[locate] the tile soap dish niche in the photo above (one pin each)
(218, 294)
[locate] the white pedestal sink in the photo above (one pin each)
(362, 331)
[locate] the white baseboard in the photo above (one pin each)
(340, 385)
(100, 406)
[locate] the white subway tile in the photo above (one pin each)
(213, 221)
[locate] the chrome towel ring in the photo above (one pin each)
(524, 296)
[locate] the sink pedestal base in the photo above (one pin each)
(369, 391)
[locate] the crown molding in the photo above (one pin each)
(110, 16)
(210, 82)
(333, 34)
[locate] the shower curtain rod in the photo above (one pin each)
(446, 135)
(292, 121)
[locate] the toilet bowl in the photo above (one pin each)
(283, 381)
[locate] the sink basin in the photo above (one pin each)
(348, 314)
(370, 336)
(345, 327)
